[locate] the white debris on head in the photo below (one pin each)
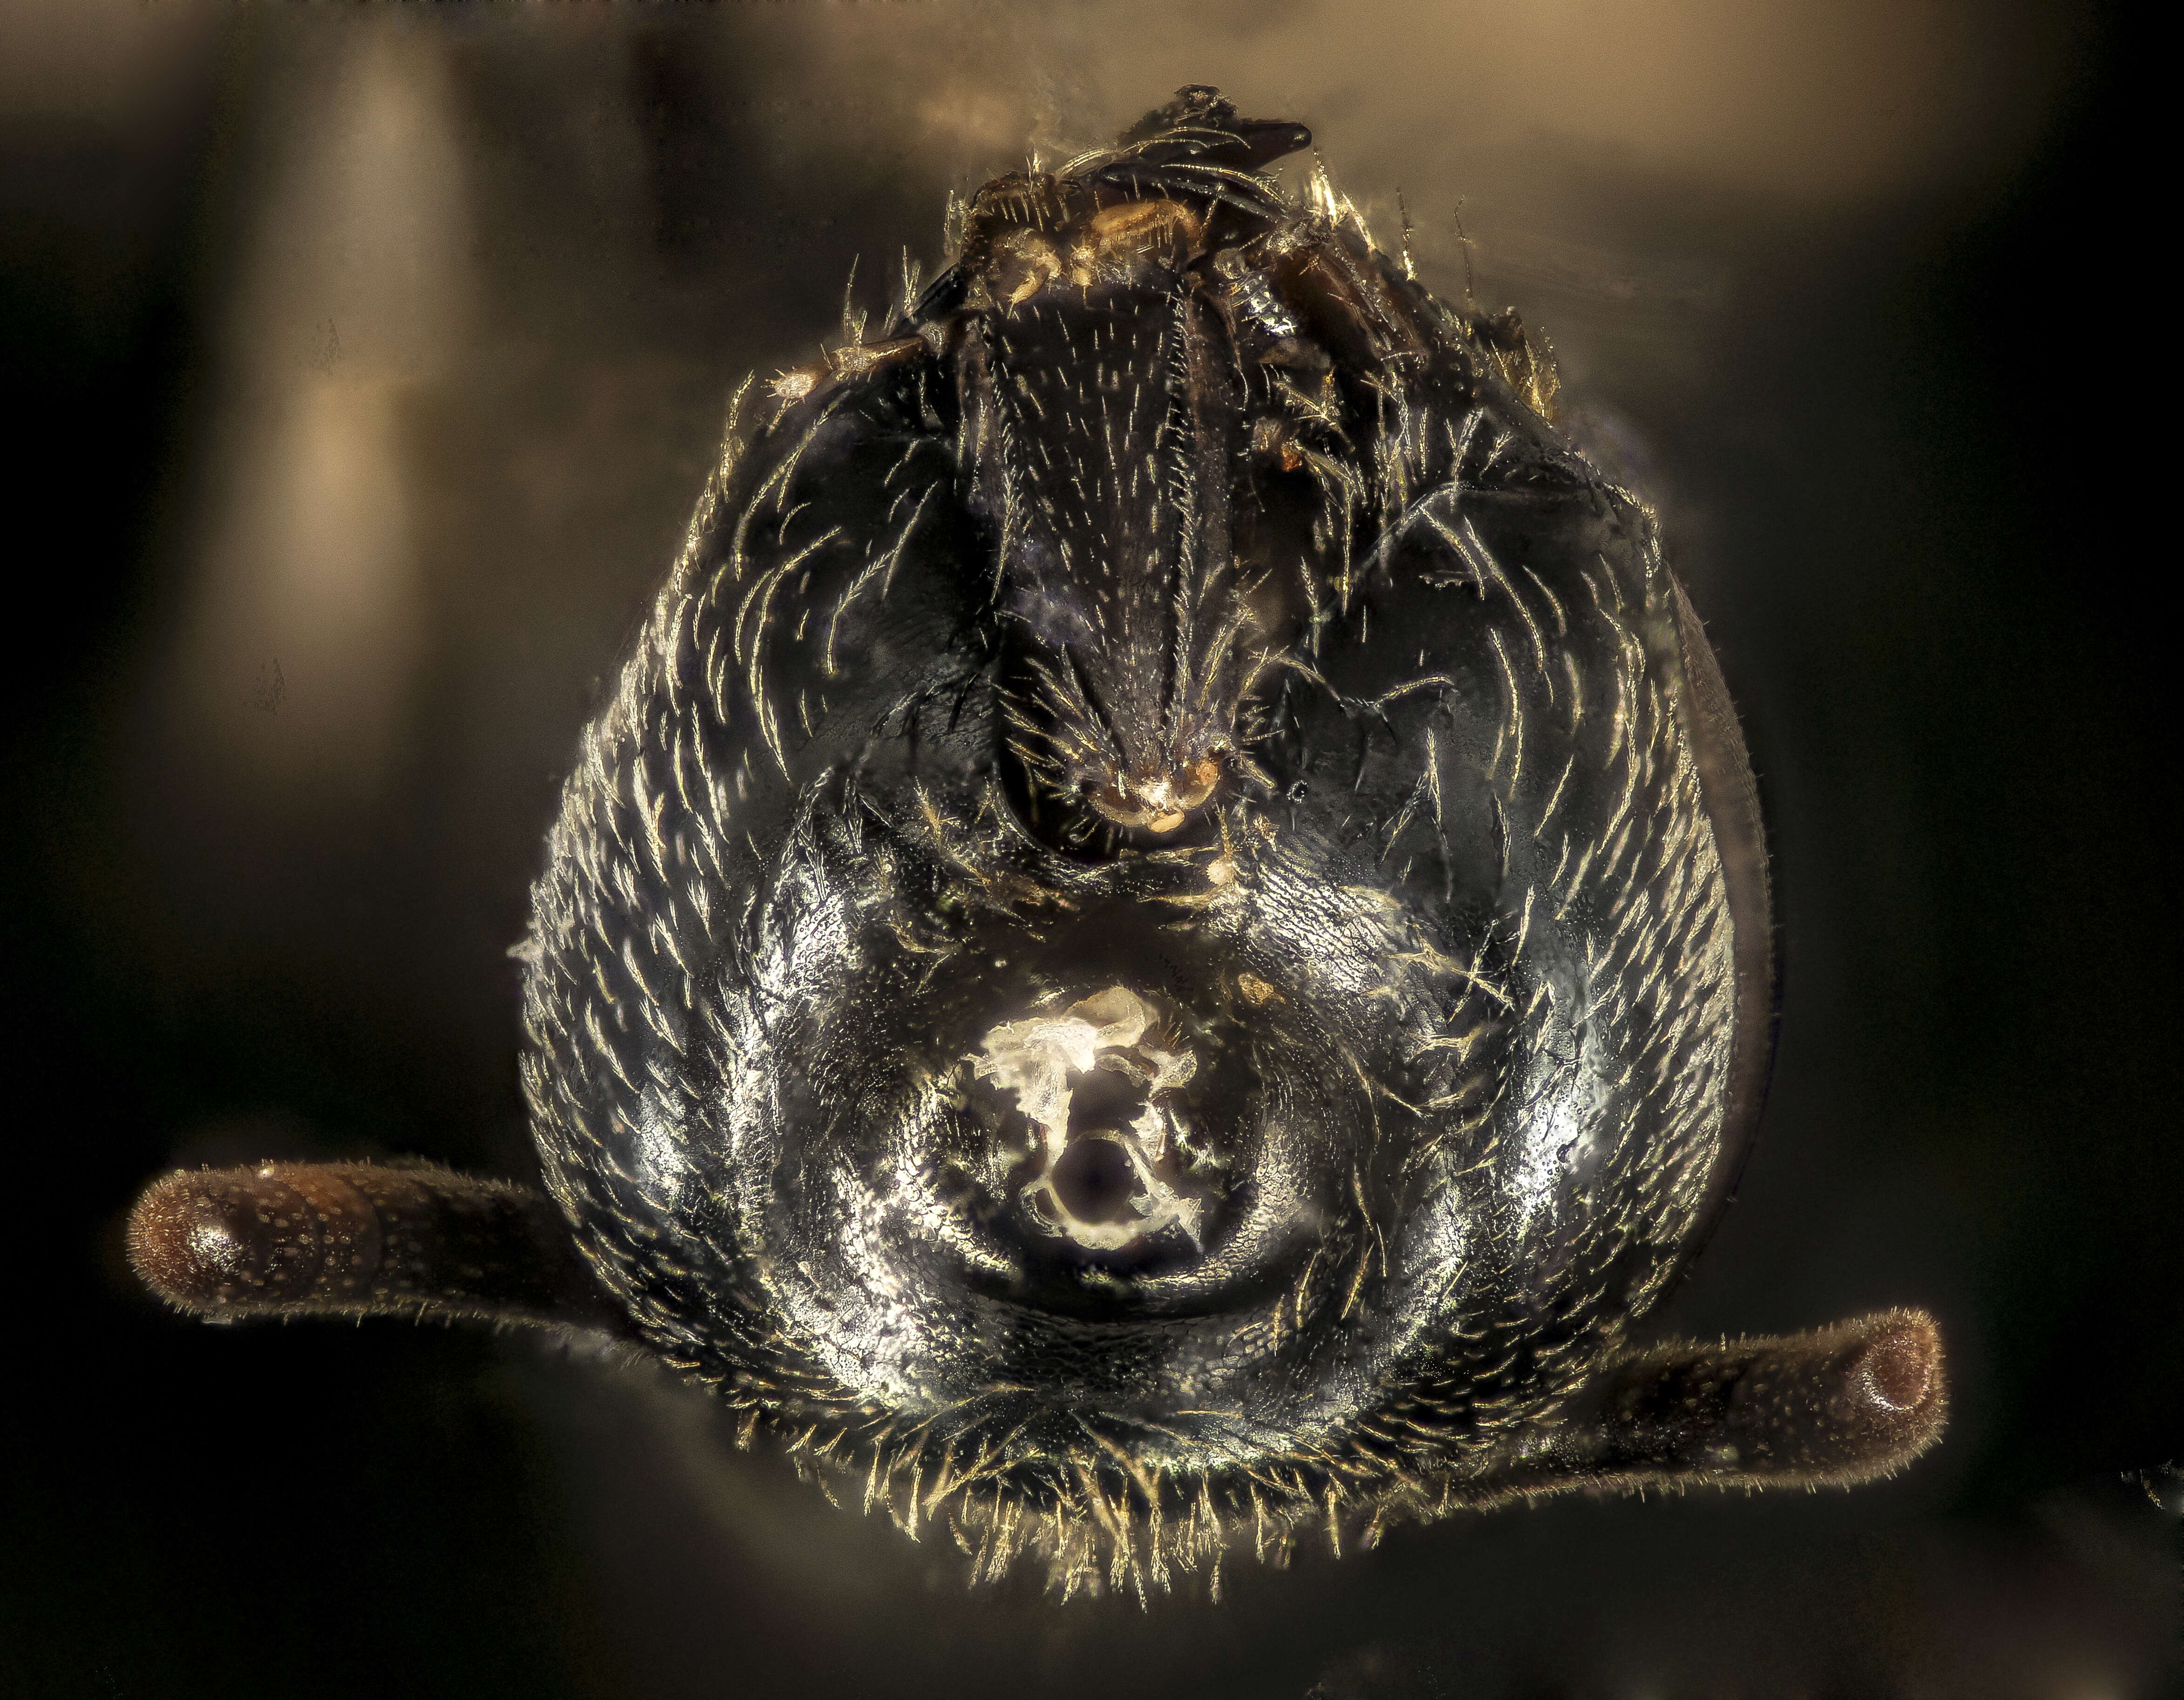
(1041, 1061)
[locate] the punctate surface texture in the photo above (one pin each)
(1165, 939)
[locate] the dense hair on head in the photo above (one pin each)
(1159, 947)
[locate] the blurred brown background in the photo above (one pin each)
(365, 362)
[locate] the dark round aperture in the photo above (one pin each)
(1095, 1182)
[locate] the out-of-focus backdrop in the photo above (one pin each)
(365, 362)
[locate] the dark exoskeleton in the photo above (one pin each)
(1166, 941)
